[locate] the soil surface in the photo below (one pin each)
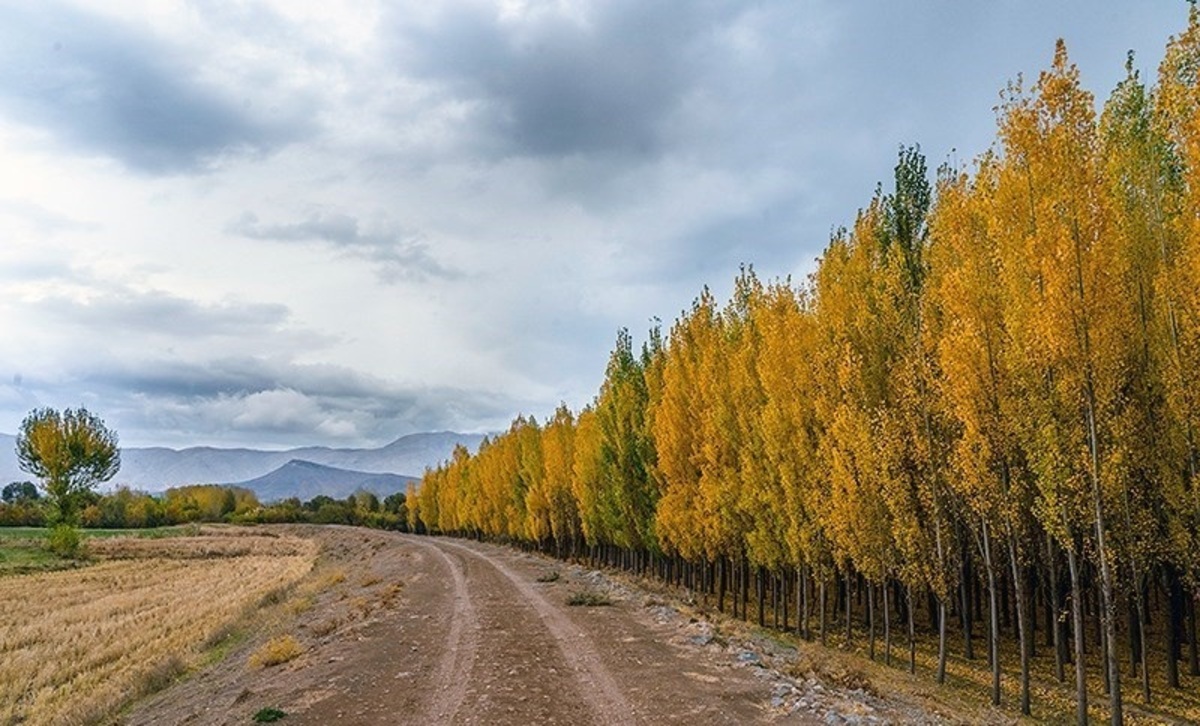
(423, 630)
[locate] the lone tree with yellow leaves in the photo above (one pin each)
(71, 452)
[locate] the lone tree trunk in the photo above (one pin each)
(887, 627)
(941, 666)
(1022, 626)
(1054, 597)
(821, 595)
(965, 611)
(848, 607)
(721, 582)
(1077, 618)
(760, 586)
(871, 619)
(1193, 650)
(1138, 633)
(1174, 615)
(993, 620)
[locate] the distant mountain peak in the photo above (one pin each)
(157, 468)
(307, 479)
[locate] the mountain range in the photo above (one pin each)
(157, 468)
(305, 480)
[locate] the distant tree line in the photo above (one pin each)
(980, 414)
(22, 504)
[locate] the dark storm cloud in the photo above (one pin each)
(234, 376)
(397, 254)
(550, 84)
(101, 87)
(263, 402)
(117, 310)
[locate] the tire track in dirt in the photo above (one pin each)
(453, 674)
(595, 683)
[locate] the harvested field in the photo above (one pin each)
(76, 645)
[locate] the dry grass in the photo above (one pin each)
(277, 650)
(589, 598)
(201, 547)
(76, 645)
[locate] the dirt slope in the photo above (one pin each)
(402, 629)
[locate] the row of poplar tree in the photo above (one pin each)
(989, 385)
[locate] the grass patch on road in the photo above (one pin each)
(589, 598)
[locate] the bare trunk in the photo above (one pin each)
(1077, 617)
(941, 666)
(1022, 627)
(848, 590)
(993, 621)
(781, 581)
(1056, 612)
(802, 604)
(721, 584)
(1193, 651)
(966, 614)
(1174, 606)
(887, 627)
(871, 619)
(821, 608)
(1140, 608)
(760, 585)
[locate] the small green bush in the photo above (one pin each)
(550, 576)
(65, 541)
(268, 715)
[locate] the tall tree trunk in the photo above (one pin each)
(1140, 632)
(941, 666)
(993, 620)
(802, 604)
(760, 585)
(821, 597)
(1023, 633)
(848, 591)
(965, 613)
(1174, 603)
(1193, 650)
(871, 619)
(887, 628)
(781, 580)
(745, 590)
(1077, 618)
(1054, 593)
(721, 582)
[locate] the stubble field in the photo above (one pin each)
(76, 645)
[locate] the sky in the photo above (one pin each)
(280, 223)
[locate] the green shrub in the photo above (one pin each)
(64, 541)
(268, 715)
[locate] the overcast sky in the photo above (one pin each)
(284, 223)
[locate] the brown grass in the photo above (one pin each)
(76, 645)
(279, 649)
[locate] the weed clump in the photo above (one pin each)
(277, 650)
(588, 598)
(551, 576)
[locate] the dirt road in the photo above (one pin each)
(422, 630)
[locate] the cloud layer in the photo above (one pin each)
(285, 223)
